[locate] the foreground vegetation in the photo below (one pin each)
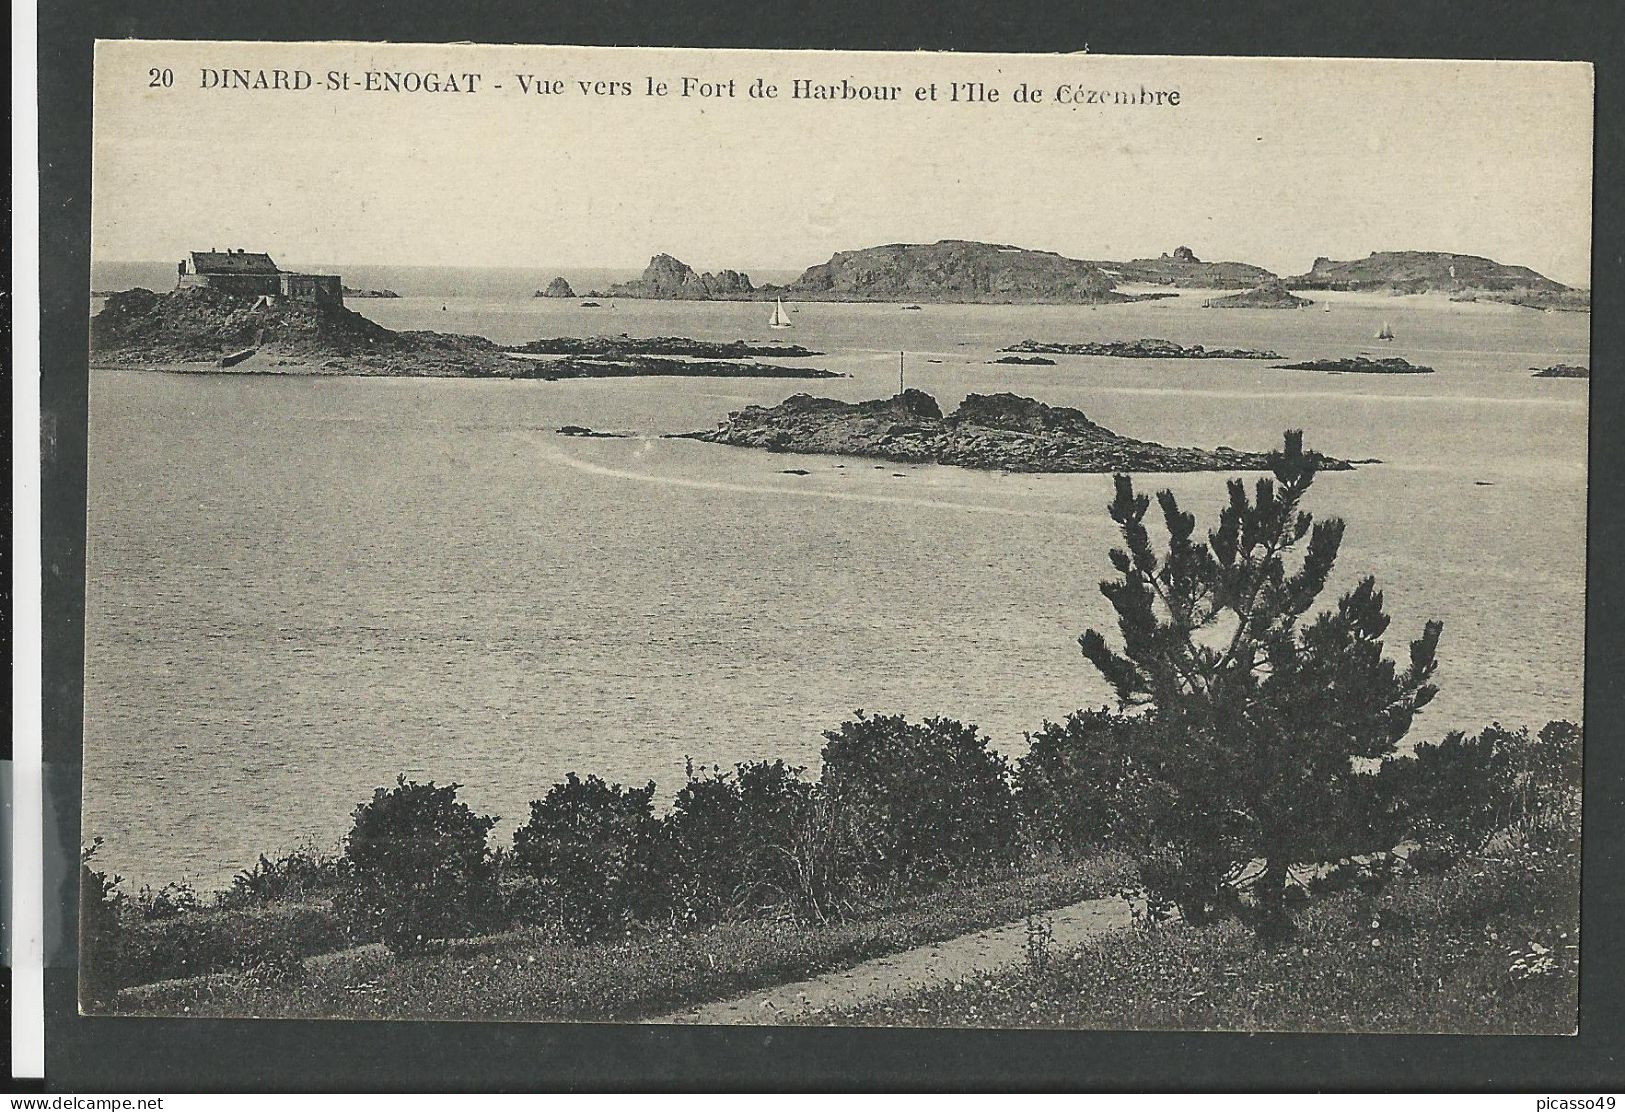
(534, 974)
(1489, 946)
(1293, 867)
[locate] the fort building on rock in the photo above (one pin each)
(255, 274)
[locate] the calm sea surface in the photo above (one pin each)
(299, 588)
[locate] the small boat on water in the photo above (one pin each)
(779, 319)
(1386, 333)
(1326, 307)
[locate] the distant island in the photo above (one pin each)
(969, 271)
(206, 330)
(1140, 349)
(950, 270)
(1271, 295)
(1563, 370)
(558, 287)
(1359, 365)
(1024, 360)
(351, 291)
(1464, 277)
(999, 432)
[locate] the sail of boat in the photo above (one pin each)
(780, 318)
(1386, 333)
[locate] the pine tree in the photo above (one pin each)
(1258, 715)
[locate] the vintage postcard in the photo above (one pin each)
(785, 537)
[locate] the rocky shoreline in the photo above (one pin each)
(1140, 349)
(1359, 365)
(1562, 370)
(998, 432)
(204, 331)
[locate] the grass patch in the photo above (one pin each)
(525, 975)
(1489, 946)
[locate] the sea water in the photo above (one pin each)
(299, 588)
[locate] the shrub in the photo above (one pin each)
(1453, 796)
(1080, 784)
(418, 868)
(211, 941)
(306, 873)
(733, 840)
(101, 914)
(921, 799)
(595, 849)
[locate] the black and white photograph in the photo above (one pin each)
(885, 539)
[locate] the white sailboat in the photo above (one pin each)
(1386, 333)
(780, 318)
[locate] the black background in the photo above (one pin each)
(194, 1055)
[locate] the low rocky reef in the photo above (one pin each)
(1562, 370)
(997, 432)
(1359, 365)
(1271, 295)
(350, 291)
(1024, 360)
(1141, 349)
(624, 345)
(654, 366)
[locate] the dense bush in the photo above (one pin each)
(1080, 784)
(418, 868)
(1456, 794)
(304, 874)
(918, 800)
(101, 914)
(734, 840)
(596, 852)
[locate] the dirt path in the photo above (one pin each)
(891, 976)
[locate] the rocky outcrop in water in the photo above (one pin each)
(655, 366)
(558, 287)
(671, 278)
(1024, 360)
(1359, 365)
(1562, 370)
(1273, 295)
(661, 345)
(1140, 349)
(998, 432)
(350, 291)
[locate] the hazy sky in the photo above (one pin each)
(1264, 161)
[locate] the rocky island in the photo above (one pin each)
(1464, 277)
(671, 278)
(1359, 365)
(351, 291)
(1140, 349)
(558, 287)
(1562, 370)
(203, 330)
(998, 432)
(1271, 295)
(1024, 360)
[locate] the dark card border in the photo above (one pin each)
(189, 1055)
